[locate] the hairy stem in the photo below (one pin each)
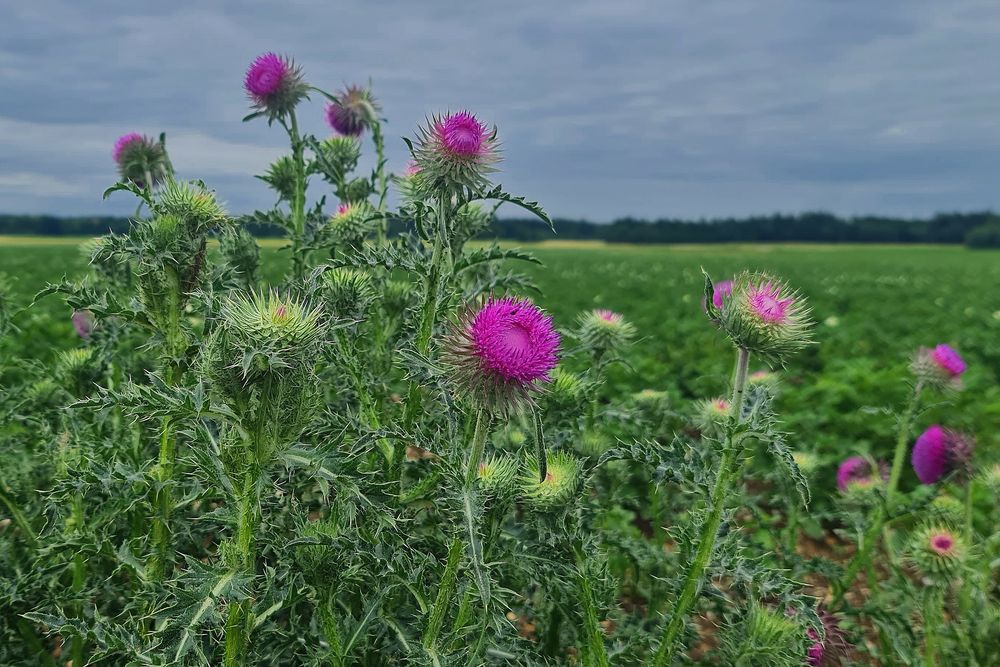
(710, 530)
(478, 446)
(239, 621)
(543, 460)
(79, 580)
(298, 203)
(381, 179)
(446, 590)
(596, 654)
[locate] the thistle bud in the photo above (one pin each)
(318, 558)
(764, 638)
(711, 414)
(939, 452)
(763, 378)
(348, 293)
(274, 85)
(720, 292)
(192, 203)
(281, 177)
(354, 111)
(83, 323)
(560, 486)
(498, 475)
(604, 331)
(765, 316)
(353, 222)
(947, 510)
(79, 367)
(937, 552)
(859, 473)
(828, 649)
(456, 151)
(565, 391)
(991, 476)
(501, 352)
(941, 367)
(139, 157)
(338, 156)
(410, 183)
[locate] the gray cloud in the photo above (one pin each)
(633, 107)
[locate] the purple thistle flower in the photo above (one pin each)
(939, 452)
(274, 84)
(766, 301)
(502, 351)
(831, 647)
(858, 471)
(608, 316)
(124, 143)
(265, 76)
(948, 360)
(83, 323)
(353, 112)
(463, 135)
(457, 150)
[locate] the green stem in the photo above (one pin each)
(79, 581)
(429, 310)
(381, 179)
(932, 603)
(19, 519)
(446, 590)
(298, 203)
(596, 654)
(239, 621)
(710, 530)
(543, 459)
(478, 446)
(870, 537)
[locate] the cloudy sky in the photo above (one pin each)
(606, 108)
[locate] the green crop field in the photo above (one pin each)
(874, 305)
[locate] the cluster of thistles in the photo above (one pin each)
(502, 352)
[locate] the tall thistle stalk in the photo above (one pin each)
(761, 315)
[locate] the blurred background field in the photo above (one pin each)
(874, 304)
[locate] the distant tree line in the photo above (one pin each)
(981, 229)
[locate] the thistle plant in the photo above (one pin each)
(762, 315)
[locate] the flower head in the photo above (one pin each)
(139, 157)
(501, 351)
(859, 472)
(948, 510)
(456, 150)
(354, 111)
(939, 452)
(83, 323)
(274, 84)
(604, 331)
(722, 290)
(941, 367)
(562, 481)
(710, 414)
(937, 552)
(765, 316)
(352, 222)
(826, 650)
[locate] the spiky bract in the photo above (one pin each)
(501, 352)
(274, 85)
(604, 331)
(940, 367)
(765, 316)
(281, 177)
(354, 111)
(352, 222)
(561, 485)
(337, 157)
(764, 638)
(348, 293)
(456, 151)
(192, 203)
(937, 552)
(498, 475)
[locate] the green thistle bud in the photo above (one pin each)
(318, 560)
(560, 486)
(937, 552)
(764, 638)
(762, 378)
(651, 399)
(357, 190)
(765, 316)
(281, 177)
(565, 391)
(397, 296)
(348, 293)
(241, 254)
(711, 414)
(991, 477)
(193, 204)
(79, 367)
(604, 331)
(338, 156)
(498, 475)
(352, 222)
(948, 510)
